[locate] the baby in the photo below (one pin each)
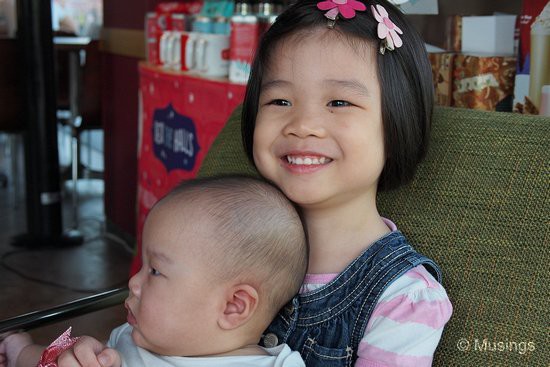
(221, 256)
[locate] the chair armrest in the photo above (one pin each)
(65, 311)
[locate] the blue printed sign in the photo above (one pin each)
(175, 140)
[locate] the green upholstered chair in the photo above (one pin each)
(479, 206)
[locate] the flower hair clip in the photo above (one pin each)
(345, 8)
(387, 31)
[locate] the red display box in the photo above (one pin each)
(180, 117)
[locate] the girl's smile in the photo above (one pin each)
(319, 134)
(304, 162)
(307, 159)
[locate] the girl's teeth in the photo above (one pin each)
(306, 161)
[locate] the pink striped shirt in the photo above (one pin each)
(407, 322)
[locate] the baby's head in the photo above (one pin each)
(220, 257)
(255, 233)
(403, 76)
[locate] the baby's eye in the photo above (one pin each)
(338, 103)
(279, 102)
(154, 272)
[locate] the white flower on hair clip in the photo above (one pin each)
(387, 30)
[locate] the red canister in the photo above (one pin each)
(243, 43)
(153, 32)
(179, 22)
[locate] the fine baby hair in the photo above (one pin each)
(404, 75)
(258, 236)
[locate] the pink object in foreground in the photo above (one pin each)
(346, 8)
(54, 350)
(387, 30)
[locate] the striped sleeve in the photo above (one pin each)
(406, 324)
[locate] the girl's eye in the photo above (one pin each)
(154, 272)
(338, 103)
(279, 102)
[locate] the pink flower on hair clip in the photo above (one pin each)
(345, 7)
(387, 30)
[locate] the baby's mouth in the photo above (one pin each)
(131, 318)
(306, 160)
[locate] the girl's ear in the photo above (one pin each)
(241, 303)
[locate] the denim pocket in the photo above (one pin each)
(316, 355)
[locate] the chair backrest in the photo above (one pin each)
(479, 206)
(12, 97)
(89, 104)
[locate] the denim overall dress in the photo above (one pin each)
(326, 325)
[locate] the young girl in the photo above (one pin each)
(338, 106)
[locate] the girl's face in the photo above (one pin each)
(318, 133)
(172, 304)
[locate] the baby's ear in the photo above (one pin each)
(241, 303)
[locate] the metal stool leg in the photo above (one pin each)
(14, 152)
(74, 176)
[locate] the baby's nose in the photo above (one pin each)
(134, 284)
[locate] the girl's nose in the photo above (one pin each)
(303, 125)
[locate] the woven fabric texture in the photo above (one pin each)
(479, 206)
(226, 155)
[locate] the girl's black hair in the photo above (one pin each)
(404, 75)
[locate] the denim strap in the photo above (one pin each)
(385, 276)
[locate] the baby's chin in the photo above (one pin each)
(144, 343)
(140, 341)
